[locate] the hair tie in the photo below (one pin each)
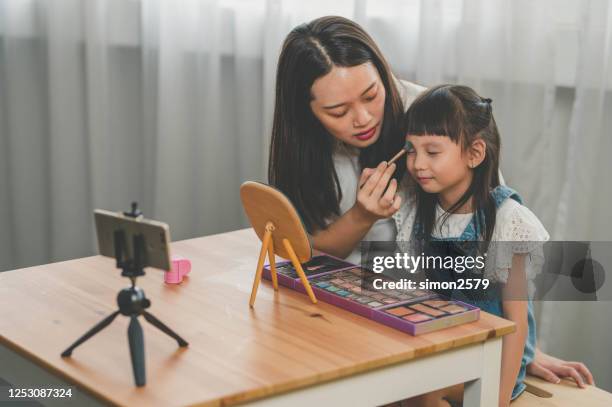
(486, 104)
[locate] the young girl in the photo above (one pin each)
(454, 159)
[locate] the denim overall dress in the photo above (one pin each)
(488, 300)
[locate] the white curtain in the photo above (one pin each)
(105, 102)
(170, 103)
(582, 209)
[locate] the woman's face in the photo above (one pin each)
(350, 103)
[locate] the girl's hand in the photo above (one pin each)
(553, 369)
(376, 196)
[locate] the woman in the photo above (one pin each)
(337, 113)
(336, 122)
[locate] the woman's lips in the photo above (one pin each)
(424, 180)
(366, 135)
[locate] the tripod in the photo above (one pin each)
(132, 303)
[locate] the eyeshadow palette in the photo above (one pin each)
(353, 288)
(316, 266)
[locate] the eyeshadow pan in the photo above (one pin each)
(343, 293)
(427, 310)
(389, 300)
(417, 317)
(453, 309)
(332, 288)
(322, 284)
(399, 311)
(404, 296)
(436, 303)
(364, 300)
(375, 304)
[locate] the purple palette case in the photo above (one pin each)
(351, 287)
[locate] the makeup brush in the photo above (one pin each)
(404, 149)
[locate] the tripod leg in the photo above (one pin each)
(136, 340)
(162, 327)
(300, 270)
(97, 328)
(272, 259)
(260, 263)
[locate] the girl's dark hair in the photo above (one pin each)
(301, 163)
(461, 114)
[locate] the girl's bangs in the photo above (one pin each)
(436, 113)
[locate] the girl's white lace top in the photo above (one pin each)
(517, 230)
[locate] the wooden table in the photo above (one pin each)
(286, 351)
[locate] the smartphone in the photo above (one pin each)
(156, 237)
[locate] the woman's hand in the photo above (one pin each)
(375, 200)
(553, 369)
(376, 196)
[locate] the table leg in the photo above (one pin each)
(484, 391)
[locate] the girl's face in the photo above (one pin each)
(350, 103)
(440, 166)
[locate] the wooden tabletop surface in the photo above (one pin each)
(235, 354)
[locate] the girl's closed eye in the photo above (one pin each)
(429, 152)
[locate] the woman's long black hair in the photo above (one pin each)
(301, 163)
(461, 114)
